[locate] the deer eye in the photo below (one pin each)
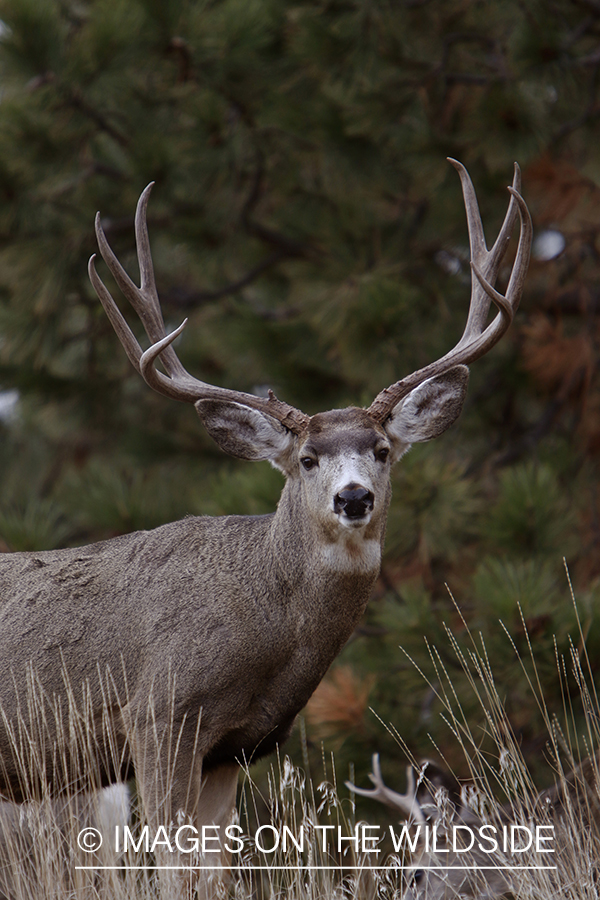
(382, 454)
(308, 462)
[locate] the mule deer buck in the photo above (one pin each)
(225, 626)
(463, 860)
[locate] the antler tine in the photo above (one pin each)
(145, 298)
(149, 309)
(476, 339)
(124, 332)
(407, 803)
(142, 362)
(184, 387)
(488, 261)
(177, 383)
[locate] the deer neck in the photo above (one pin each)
(324, 549)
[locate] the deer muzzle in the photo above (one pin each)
(354, 501)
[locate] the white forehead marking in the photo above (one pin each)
(351, 469)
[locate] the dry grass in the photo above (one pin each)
(40, 852)
(501, 788)
(40, 858)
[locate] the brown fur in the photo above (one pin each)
(225, 623)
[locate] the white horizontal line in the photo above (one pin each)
(412, 868)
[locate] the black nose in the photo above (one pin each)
(354, 501)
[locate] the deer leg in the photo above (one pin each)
(168, 777)
(215, 812)
(176, 793)
(208, 876)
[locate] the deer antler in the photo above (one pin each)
(476, 339)
(407, 803)
(177, 382)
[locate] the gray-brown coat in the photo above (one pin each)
(196, 644)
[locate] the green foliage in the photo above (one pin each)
(35, 525)
(437, 508)
(305, 220)
(531, 515)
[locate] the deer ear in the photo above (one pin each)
(428, 410)
(245, 432)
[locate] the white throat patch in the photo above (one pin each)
(352, 553)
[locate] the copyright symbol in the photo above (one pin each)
(89, 840)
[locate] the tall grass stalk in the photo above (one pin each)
(58, 753)
(40, 856)
(500, 787)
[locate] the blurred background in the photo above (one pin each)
(306, 221)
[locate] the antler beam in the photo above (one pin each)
(177, 382)
(476, 339)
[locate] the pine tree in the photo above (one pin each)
(305, 220)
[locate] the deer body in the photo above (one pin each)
(271, 634)
(223, 627)
(261, 604)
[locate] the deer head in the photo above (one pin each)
(341, 458)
